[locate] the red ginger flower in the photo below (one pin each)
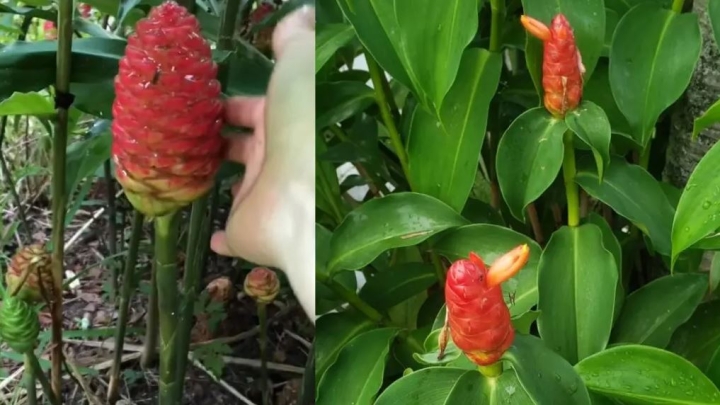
(477, 316)
(167, 113)
(562, 64)
(50, 30)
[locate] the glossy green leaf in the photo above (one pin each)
(529, 157)
(587, 18)
(27, 104)
(633, 193)
(364, 356)
(652, 58)
(443, 154)
(124, 10)
(28, 11)
(637, 374)
(446, 385)
(333, 332)
(339, 101)
(490, 242)
(577, 280)
(524, 322)
(611, 20)
(397, 284)
(714, 280)
(84, 158)
(328, 39)
(546, 377)
(652, 313)
(698, 338)
(623, 6)
(611, 243)
(713, 12)
(590, 124)
(707, 119)
(423, 59)
(697, 212)
(597, 90)
(431, 357)
(398, 220)
(326, 300)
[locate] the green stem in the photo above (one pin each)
(497, 15)
(378, 77)
(62, 91)
(125, 295)
(29, 380)
(491, 371)
(225, 37)
(677, 6)
(197, 244)
(112, 228)
(149, 352)
(32, 360)
(439, 269)
(571, 189)
(262, 316)
(644, 159)
(353, 299)
(166, 233)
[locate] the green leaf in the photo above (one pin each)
(611, 243)
(125, 7)
(697, 212)
(587, 18)
(85, 157)
(447, 385)
(699, 338)
(339, 101)
(28, 12)
(364, 357)
(398, 220)
(490, 242)
(443, 154)
(652, 313)
(546, 377)
(328, 39)
(529, 157)
(714, 272)
(633, 193)
(713, 12)
(590, 124)
(397, 284)
(623, 6)
(27, 104)
(577, 280)
(425, 60)
(325, 298)
(597, 90)
(524, 322)
(333, 332)
(707, 119)
(652, 58)
(638, 374)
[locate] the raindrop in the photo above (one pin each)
(706, 204)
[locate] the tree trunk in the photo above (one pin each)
(683, 153)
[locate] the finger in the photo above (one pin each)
(244, 111)
(219, 244)
(236, 188)
(239, 148)
(298, 24)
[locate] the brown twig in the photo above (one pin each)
(535, 222)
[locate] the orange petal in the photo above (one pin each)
(508, 265)
(535, 28)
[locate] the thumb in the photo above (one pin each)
(219, 244)
(296, 27)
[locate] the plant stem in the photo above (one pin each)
(166, 274)
(677, 6)
(112, 228)
(262, 316)
(125, 295)
(491, 371)
(439, 269)
(378, 76)
(497, 14)
(11, 184)
(571, 189)
(353, 299)
(149, 352)
(31, 359)
(197, 247)
(29, 378)
(535, 223)
(644, 159)
(62, 94)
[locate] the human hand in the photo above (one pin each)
(271, 222)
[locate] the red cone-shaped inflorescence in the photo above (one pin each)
(562, 64)
(167, 113)
(477, 317)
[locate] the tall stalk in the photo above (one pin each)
(125, 295)
(29, 380)
(571, 188)
(63, 99)
(197, 249)
(166, 274)
(262, 315)
(149, 353)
